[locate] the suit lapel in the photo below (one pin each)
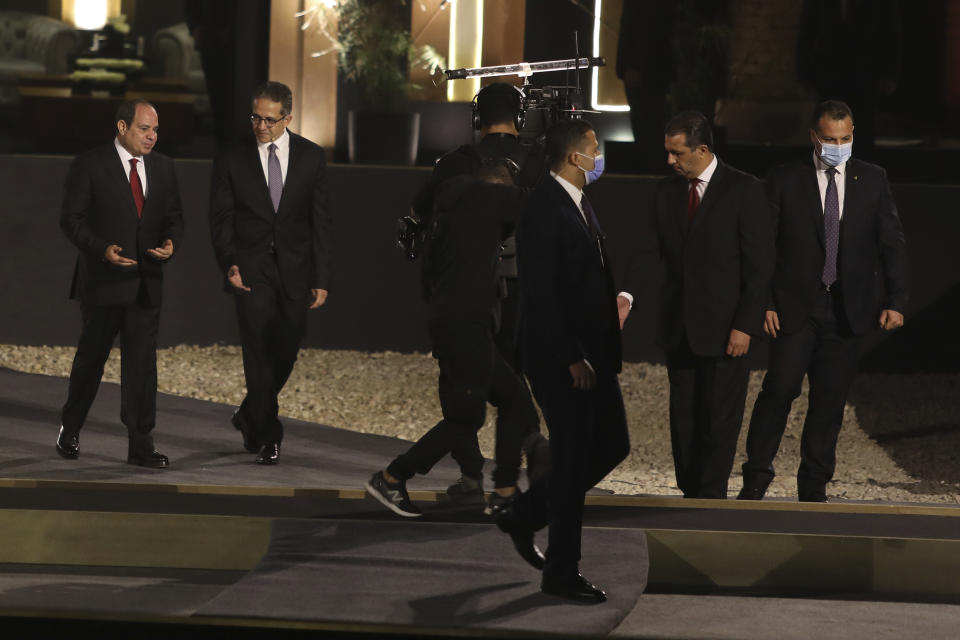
(571, 209)
(718, 184)
(851, 193)
(120, 179)
(295, 150)
(251, 159)
(678, 204)
(148, 166)
(810, 185)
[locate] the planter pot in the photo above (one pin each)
(375, 137)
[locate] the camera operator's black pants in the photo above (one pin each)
(472, 373)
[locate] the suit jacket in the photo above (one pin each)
(98, 210)
(246, 231)
(568, 298)
(872, 246)
(717, 270)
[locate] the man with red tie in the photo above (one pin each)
(121, 209)
(711, 230)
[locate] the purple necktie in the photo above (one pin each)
(274, 177)
(831, 229)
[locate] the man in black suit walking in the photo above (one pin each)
(271, 234)
(121, 209)
(711, 230)
(570, 341)
(839, 244)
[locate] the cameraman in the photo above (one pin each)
(498, 115)
(472, 215)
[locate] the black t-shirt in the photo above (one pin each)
(460, 263)
(464, 160)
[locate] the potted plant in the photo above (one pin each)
(374, 51)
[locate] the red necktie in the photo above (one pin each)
(136, 187)
(693, 201)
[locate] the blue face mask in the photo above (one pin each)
(597, 171)
(835, 154)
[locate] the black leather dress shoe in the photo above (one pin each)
(68, 446)
(576, 588)
(521, 534)
(813, 497)
(269, 454)
(249, 443)
(153, 460)
(752, 492)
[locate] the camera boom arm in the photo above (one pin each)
(524, 69)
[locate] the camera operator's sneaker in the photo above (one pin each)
(496, 503)
(392, 496)
(466, 490)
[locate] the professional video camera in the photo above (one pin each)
(541, 107)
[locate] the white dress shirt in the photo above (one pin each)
(705, 177)
(125, 157)
(283, 155)
(823, 179)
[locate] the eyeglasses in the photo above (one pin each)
(255, 120)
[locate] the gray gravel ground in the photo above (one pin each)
(900, 440)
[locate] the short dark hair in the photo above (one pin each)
(276, 92)
(564, 137)
(498, 103)
(127, 110)
(836, 109)
(694, 125)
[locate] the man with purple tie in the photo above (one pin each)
(271, 234)
(121, 209)
(841, 270)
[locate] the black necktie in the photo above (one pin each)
(591, 217)
(592, 223)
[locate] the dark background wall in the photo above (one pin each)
(374, 302)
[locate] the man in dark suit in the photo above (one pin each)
(711, 230)
(839, 243)
(121, 208)
(271, 234)
(570, 340)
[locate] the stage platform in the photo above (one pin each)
(217, 546)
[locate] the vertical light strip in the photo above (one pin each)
(453, 47)
(466, 46)
(597, 7)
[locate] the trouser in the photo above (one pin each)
(707, 396)
(825, 350)
(271, 329)
(137, 325)
(589, 437)
(472, 373)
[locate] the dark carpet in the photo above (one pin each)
(203, 446)
(431, 574)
